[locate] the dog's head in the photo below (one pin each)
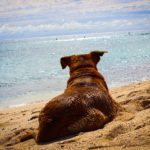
(80, 61)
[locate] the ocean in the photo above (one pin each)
(30, 67)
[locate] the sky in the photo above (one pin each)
(35, 18)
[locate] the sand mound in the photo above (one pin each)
(129, 130)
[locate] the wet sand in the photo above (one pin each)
(129, 130)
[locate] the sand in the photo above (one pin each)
(129, 130)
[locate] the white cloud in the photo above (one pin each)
(59, 15)
(43, 27)
(30, 7)
(103, 25)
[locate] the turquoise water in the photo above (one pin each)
(32, 66)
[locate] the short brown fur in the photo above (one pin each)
(85, 105)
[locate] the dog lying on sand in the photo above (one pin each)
(85, 105)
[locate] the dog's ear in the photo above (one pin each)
(65, 61)
(96, 55)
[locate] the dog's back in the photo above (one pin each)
(84, 106)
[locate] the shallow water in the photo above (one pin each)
(32, 66)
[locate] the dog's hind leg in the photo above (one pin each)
(52, 130)
(94, 119)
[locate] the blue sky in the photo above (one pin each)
(27, 18)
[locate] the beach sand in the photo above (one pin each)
(129, 130)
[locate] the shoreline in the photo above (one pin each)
(28, 99)
(129, 130)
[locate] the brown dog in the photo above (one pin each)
(85, 105)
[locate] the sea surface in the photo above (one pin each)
(32, 66)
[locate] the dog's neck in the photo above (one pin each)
(85, 72)
(82, 67)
